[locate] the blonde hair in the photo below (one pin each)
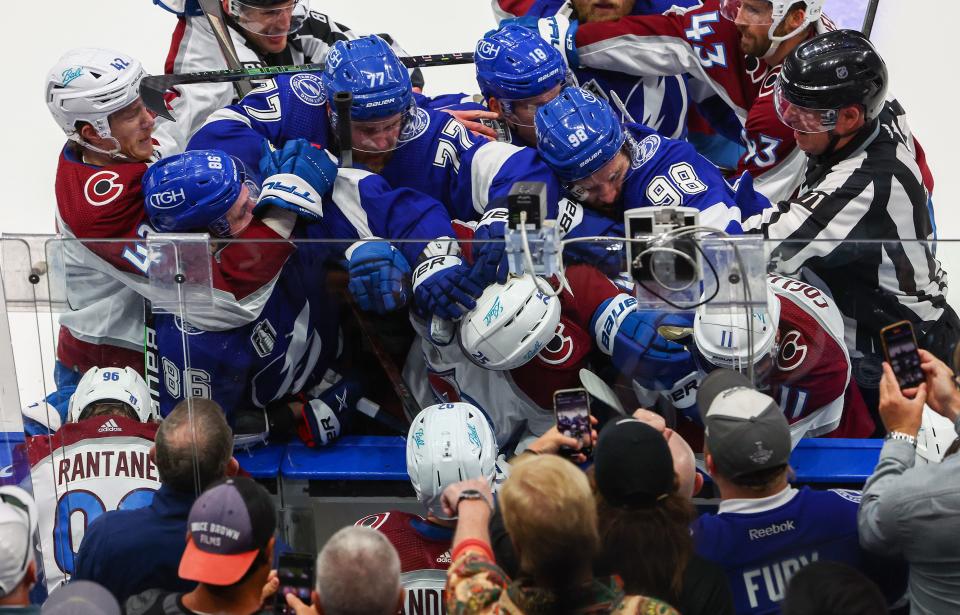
(549, 512)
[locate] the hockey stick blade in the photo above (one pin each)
(153, 87)
(601, 390)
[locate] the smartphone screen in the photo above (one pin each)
(572, 407)
(297, 576)
(900, 346)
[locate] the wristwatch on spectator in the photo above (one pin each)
(904, 437)
(472, 494)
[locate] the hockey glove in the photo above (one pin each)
(630, 338)
(297, 176)
(559, 31)
(327, 414)
(490, 255)
(379, 276)
(442, 287)
(750, 202)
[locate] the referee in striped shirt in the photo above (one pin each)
(860, 220)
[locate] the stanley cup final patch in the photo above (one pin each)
(263, 338)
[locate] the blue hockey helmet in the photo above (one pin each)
(577, 133)
(192, 191)
(369, 69)
(514, 63)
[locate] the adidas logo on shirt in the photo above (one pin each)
(445, 558)
(110, 425)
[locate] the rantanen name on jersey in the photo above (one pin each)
(101, 464)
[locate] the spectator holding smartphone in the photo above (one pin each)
(911, 511)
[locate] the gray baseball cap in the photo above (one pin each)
(745, 430)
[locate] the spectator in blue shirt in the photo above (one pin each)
(765, 530)
(130, 551)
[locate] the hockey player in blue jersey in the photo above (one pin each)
(409, 146)
(289, 348)
(614, 167)
(518, 72)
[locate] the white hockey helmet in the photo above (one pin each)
(731, 8)
(511, 323)
(721, 339)
(22, 508)
(119, 384)
(448, 443)
(87, 85)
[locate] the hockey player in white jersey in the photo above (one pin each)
(93, 96)
(263, 33)
(798, 354)
(98, 461)
(446, 443)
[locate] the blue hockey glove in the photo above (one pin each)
(748, 199)
(559, 31)
(297, 176)
(379, 276)
(328, 414)
(630, 338)
(442, 287)
(489, 250)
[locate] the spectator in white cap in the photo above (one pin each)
(765, 530)
(18, 570)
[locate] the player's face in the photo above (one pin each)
(241, 214)
(753, 19)
(521, 113)
(268, 26)
(602, 10)
(377, 136)
(604, 187)
(132, 127)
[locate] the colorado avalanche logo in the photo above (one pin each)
(644, 151)
(792, 351)
(415, 126)
(308, 88)
(102, 188)
(559, 350)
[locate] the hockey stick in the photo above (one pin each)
(869, 17)
(151, 357)
(153, 87)
(342, 102)
(214, 13)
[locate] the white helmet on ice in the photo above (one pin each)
(448, 443)
(117, 384)
(812, 14)
(511, 323)
(721, 339)
(87, 85)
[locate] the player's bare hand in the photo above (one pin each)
(552, 441)
(471, 119)
(270, 587)
(298, 606)
(898, 412)
(450, 498)
(942, 393)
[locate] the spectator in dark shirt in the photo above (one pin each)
(832, 588)
(130, 551)
(640, 512)
(229, 551)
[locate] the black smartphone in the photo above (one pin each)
(298, 576)
(572, 408)
(900, 349)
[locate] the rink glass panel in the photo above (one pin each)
(42, 283)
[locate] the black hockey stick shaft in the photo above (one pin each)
(870, 17)
(153, 87)
(407, 401)
(213, 10)
(342, 102)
